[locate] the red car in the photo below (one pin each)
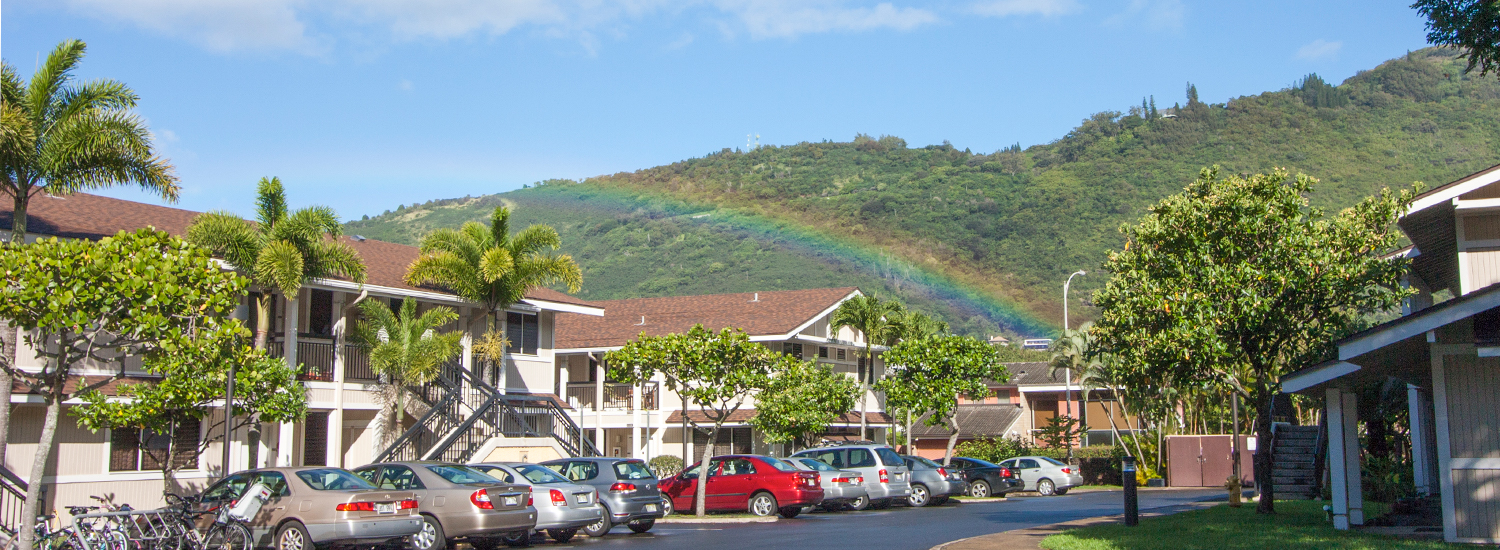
(761, 484)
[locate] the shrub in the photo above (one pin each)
(665, 466)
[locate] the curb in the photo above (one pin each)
(711, 519)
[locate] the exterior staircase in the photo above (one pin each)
(464, 413)
(1295, 450)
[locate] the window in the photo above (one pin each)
(273, 481)
(400, 478)
(738, 467)
(842, 354)
(228, 488)
(817, 465)
(632, 469)
(332, 479)
(1027, 464)
(1053, 461)
(320, 313)
(131, 450)
(794, 350)
(538, 474)
(315, 439)
(690, 473)
(822, 352)
(779, 465)
(889, 457)
(832, 458)
(861, 458)
(367, 473)
(523, 332)
(581, 470)
(862, 374)
(461, 475)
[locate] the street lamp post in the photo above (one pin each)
(1068, 372)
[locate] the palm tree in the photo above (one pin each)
(406, 348)
(491, 266)
(61, 137)
(281, 251)
(915, 325)
(878, 320)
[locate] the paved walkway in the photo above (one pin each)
(1031, 538)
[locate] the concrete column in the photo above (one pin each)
(289, 349)
(1334, 408)
(1351, 459)
(1420, 415)
(467, 359)
(599, 407)
(286, 444)
(336, 416)
(635, 421)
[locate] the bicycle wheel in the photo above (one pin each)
(228, 536)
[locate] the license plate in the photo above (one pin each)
(512, 501)
(650, 507)
(385, 507)
(582, 498)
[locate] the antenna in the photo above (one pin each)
(643, 321)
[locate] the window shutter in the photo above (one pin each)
(124, 449)
(513, 332)
(185, 444)
(315, 439)
(532, 334)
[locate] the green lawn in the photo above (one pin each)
(1297, 525)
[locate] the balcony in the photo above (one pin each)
(617, 397)
(317, 360)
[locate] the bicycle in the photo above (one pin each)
(228, 531)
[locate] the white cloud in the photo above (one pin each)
(786, 19)
(218, 25)
(1002, 8)
(308, 27)
(405, 85)
(165, 135)
(1152, 14)
(1320, 49)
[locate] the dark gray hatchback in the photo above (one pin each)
(627, 490)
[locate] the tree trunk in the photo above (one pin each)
(952, 440)
(33, 504)
(9, 339)
(864, 388)
(1264, 455)
(700, 493)
(18, 218)
(262, 319)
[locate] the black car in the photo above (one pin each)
(986, 479)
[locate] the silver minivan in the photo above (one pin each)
(886, 476)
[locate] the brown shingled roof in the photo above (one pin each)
(85, 216)
(776, 312)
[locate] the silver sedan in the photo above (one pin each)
(562, 507)
(840, 487)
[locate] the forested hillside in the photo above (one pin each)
(939, 222)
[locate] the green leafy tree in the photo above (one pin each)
(191, 386)
(1238, 281)
(491, 266)
(717, 372)
(406, 348)
(928, 375)
(144, 293)
(1473, 25)
(281, 251)
(800, 401)
(878, 320)
(1060, 432)
(58, 136)
(1070, 354)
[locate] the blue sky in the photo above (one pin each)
(366, 104)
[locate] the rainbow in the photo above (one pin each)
(797, 237)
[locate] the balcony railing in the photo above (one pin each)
(357, 363)
(316, 358)
(616, 396)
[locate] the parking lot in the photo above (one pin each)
(897, 528)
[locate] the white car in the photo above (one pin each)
(1046, 476)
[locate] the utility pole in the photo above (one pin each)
(1068, 372)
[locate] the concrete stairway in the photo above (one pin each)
(1294, 470)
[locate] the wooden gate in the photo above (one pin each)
(1205, 460)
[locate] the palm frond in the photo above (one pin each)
(334, 258)
(500, 226)
(448, 270)
(270, 202)
(544, 270)
(280, 266)
(97, 95)
(321, 219)
(12, 91)
(226, 236)
(495, 265)
(534, 240)
(51, 78)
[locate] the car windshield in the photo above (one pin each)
(925, 462)
(817, 465)
(889, 457)
(540, 474)
(462, 475)
(778, 464)
(1053, 461)
(633, 469)
(981, 463)
(332, 479)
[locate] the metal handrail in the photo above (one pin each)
(12, 498)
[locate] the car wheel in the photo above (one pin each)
(762, 504)
(430, 537)
(1061, 492)
(599, 528)
(562, 535)
(293, 536)
(641, 525)
(517, 539)
(666, 506)
(859, 503)
(979, 489)
(1046, 488)
(919, 496)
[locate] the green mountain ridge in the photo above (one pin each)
(1010, 225)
